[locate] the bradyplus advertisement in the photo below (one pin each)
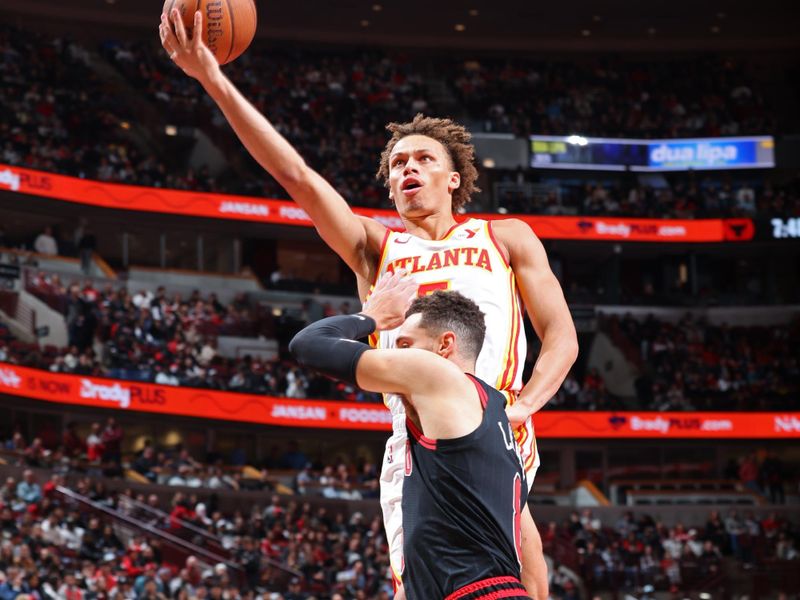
(284, 212)
(151, 398)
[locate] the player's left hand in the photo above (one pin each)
(390, 299)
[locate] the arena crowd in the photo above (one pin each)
(53, 549)
(332, 105)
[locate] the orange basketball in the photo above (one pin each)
(228, 25)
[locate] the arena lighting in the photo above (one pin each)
(459, 27)
(377, 7)
(125, 125)
(704, 596)
(488, 163)
(171, 130)
(474, 12)
(577, 140)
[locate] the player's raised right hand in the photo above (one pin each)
(190, 54)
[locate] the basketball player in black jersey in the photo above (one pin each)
(465, 486)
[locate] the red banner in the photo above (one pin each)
(666, 425)
(150, 398)
(284, 212)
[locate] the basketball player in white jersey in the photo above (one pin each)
(428, 168)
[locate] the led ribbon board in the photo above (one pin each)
(102, 393)
(51, 186)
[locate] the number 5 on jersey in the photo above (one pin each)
(428, 288)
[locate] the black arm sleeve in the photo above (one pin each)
(330, 347)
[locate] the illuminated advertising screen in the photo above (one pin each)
(101, 393)
(285, 212)
(605, 154)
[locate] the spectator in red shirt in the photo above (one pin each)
(94, 444)
(181, 511)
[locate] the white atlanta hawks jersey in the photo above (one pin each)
(468, 260)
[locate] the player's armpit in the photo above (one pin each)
(540, 289)
(546, 307)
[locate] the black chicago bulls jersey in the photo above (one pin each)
(462, 500)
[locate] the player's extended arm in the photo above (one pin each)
(346, 233)
(548, 312)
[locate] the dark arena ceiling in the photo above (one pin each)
(577, 25)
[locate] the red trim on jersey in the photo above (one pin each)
(450, 231)
(381, 257)
(514, 339)
(424, 441)
(497, 245)
(481, 392)
(429, 443)
(520, 329)
(518, 517)
(516, 322)
(374, 338)
(519, 592)
(484, 583)
(397, 583)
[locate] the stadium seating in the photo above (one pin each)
(115, 536)
(319, 99)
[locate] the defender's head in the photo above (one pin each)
(447, 323)
(428, 166)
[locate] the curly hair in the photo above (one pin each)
(452, 311)
(455, 139)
